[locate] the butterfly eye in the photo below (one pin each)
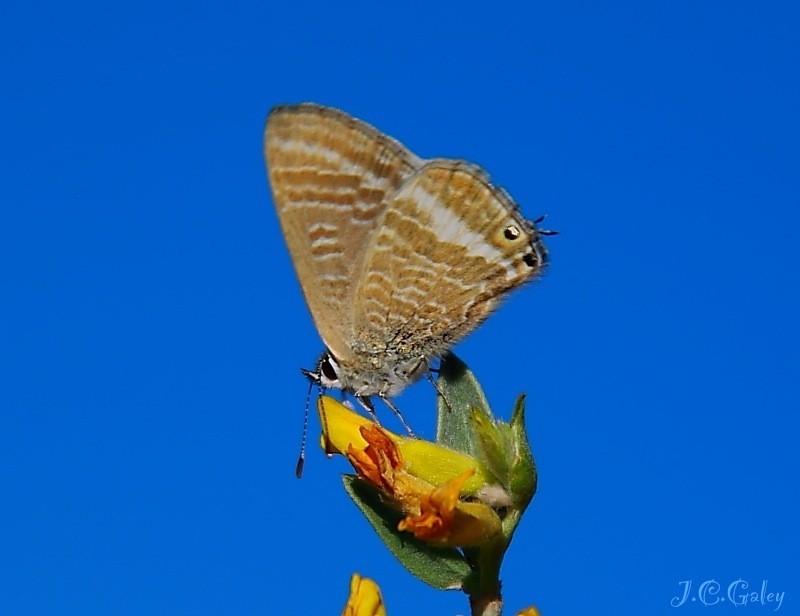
(511, 233)
(327, 369)
(530, 259)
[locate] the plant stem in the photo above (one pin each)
(486, 605)
(485, 598)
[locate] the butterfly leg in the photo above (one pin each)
(366, 404)
(344, 396)
(429, 375)
(397, 412)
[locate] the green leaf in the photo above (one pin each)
(523, 475)
(443, 568)
(455, 427)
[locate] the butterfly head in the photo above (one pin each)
(327, 372)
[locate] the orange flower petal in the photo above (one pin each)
(437, 511)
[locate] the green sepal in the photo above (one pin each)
(523, 477)
(495, 444)
(443, 568)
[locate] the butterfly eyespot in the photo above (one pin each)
(511, 232)
(530, 259)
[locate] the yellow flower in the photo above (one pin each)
(365, 598)
(428, 461)
(428, 495)
(530, 611)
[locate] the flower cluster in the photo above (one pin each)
(448, 509)
(430, 484)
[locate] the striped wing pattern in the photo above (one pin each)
(399, 258)
(331, 176)
(448, 247)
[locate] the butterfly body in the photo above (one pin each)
(398, 257)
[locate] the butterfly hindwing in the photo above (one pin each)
(448, 247)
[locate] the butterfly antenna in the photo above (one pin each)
(301, 459)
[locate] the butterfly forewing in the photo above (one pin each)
(447, 248)
(331, 177)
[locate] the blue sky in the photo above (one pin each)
(152, 328)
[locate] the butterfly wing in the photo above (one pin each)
(330, 176)
(447, 249)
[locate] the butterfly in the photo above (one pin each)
(398, 257)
